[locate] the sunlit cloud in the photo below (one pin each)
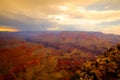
(8, 29)
(64, 8)
(111, 29)
(60, 15)
(53, 28)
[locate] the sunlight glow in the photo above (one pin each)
(8, 29)
(53, 28)
(64, 8)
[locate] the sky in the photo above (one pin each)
(60, 15)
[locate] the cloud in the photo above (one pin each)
(87, 19)
(8, 28)
(111, 29)
(39, 8)
(93, 15)
(26, 23)
(101, 5)
(56, 28)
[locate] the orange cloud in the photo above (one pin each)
(8, 29)
(60, 15)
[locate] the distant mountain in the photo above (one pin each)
(91, 42)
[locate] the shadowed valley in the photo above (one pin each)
(59, 55)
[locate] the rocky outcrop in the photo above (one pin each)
(106, 66)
